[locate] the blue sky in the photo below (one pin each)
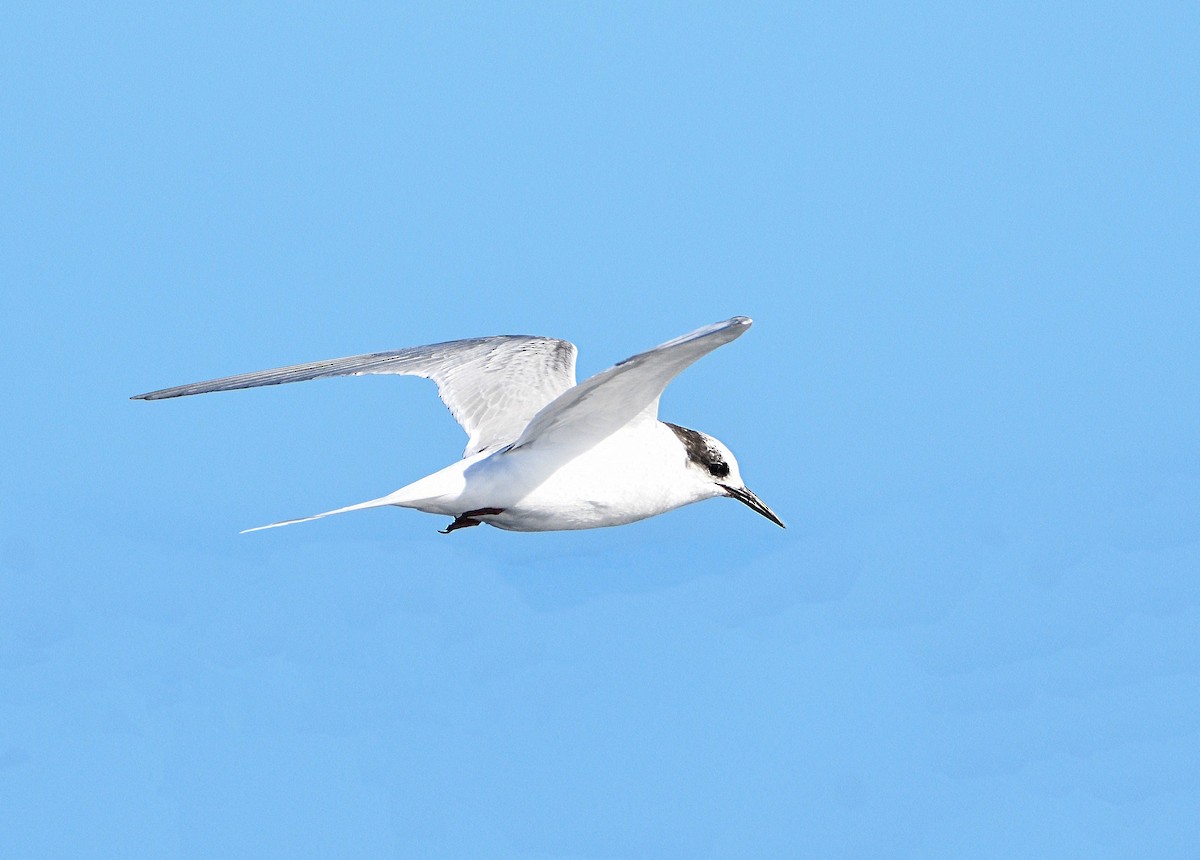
(968, 236)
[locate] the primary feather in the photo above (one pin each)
(493, 386)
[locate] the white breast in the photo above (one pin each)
(630, 476)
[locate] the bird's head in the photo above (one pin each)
(711, 462)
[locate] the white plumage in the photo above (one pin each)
(544, 453)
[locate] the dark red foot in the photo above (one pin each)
(465, 521)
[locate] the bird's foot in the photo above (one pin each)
(465, 521)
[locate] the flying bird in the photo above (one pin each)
(543, 453)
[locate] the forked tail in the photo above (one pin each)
(374, 503)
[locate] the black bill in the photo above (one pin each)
(753, 502)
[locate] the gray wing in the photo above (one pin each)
(626, 393)
(492, 385)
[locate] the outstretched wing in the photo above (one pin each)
(492, 385)
(628, 392)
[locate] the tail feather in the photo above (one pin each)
(374, 503)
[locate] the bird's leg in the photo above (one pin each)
(465, 521)
(461, 522)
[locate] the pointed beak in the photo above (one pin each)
(754, 503)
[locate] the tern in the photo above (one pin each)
(544, 454)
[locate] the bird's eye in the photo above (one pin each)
(718, 469)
